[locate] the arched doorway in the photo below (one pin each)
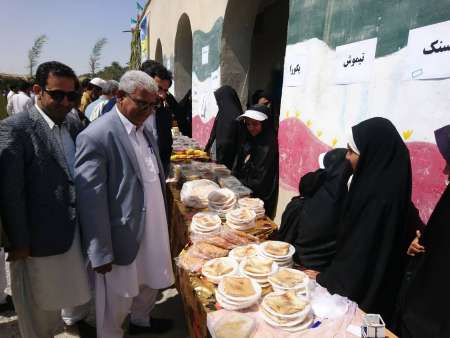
(183, 57)
(158, 52)
(253, 46)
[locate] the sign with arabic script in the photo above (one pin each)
(354, 61)
(295, 67)
(429, 52)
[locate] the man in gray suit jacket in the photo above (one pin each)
(121, 196)
(37, 199)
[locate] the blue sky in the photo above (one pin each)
(72, 28)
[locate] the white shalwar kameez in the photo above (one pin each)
(134, 288)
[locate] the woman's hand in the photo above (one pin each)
(415, 247)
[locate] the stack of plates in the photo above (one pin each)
(241, 219)
(280, 252)
(258, 269)
(215, 269)
(241, 252)
(237, 293)
(221, 201)
(290, 280)
(286, 310)
(206, 223)
(255, 204)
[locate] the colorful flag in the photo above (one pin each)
(139, 7)
(133, 23)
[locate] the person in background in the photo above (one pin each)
(123, 215)
(38, 204)
(109, 92)
(112, 101)
(161, 122)
(310, 221)
(224, 140)
(264, 97)
(21, 101)
(425, 297)
(371, 248)
(185, 112)
(11, 92)
(86, 99)
(97, 96)
(256, 164)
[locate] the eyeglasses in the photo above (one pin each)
(58, 95)
(142, 105)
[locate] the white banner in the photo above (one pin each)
(429, 52)
(295, 67)
(354, 61)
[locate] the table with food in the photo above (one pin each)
(234, 279)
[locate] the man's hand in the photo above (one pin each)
(415, 247)
(18, 254)
(103, 268)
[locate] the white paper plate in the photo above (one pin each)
(291, 323)
(232, 253)
(256, 296)
(298, 315)
(256, 275)
(226, 260)
(223, 302)
(297, 286)
(288, 256)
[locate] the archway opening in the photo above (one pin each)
(159, 52)
(183, 57)
(253, 46)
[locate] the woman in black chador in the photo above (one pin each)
(310, 220)
(224, 138)
(425, 300)
(371, 245)
(256, 164)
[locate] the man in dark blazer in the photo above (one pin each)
(161, 122)
(37, 198)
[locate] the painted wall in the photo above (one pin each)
(315, 117)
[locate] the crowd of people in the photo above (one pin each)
(84, 211)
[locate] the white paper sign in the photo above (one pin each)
(354, 61)
(205, 55)
(295, 67)
(429, 52)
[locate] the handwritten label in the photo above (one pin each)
(429, 50)
(205, 55)
(354, 61)
(295, 66)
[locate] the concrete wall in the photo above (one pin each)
(314, 117)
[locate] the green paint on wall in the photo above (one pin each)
(339, 22)
(212, 39)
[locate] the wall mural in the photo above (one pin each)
(205, 79)
(315, 116)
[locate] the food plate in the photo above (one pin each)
(256, 275)
(227, 261)
(281, 257)
(251, 298)
(233, 252)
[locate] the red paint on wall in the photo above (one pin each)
(299, 152)
(300, 148)
(201, 130)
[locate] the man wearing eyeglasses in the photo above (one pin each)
(121, 196)
(38, 200)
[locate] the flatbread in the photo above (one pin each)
(277, 248)
(244, 251)
(234, 325)
(286, 303)
(238, 287)
(207, 250)
(287, 279)
(217, 268)
(205, 220)
(258, 265)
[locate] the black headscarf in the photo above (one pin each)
(225, 128)
(256, 164)
(426, 296)
(184, 116)
(316, 218)
(371, 248)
